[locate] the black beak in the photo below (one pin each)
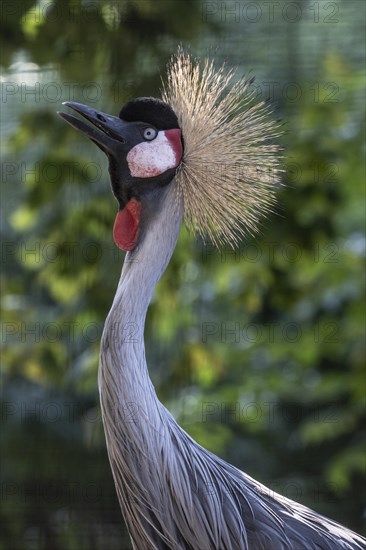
(107, 131)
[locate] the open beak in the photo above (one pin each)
(105, 130)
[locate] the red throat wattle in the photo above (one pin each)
(126, 226)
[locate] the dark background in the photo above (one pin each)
(258, 354)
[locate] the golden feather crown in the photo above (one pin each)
(230, 169)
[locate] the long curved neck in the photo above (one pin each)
(135, 422)
(122, 350)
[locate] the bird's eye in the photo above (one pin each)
(150, 133)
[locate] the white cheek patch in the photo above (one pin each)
(151, 158)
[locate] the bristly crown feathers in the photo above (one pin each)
(230, 169)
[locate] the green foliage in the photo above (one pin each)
(259, 353)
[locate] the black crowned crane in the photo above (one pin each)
(202, 154)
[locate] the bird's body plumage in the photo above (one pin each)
(174, 494)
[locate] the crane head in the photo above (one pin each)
(144, 148)
(230, 169)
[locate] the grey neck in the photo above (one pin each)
(136, 424)
(123, 374)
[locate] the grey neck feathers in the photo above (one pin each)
(125, 371)
(136, 424)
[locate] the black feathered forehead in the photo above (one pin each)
(150, 110)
